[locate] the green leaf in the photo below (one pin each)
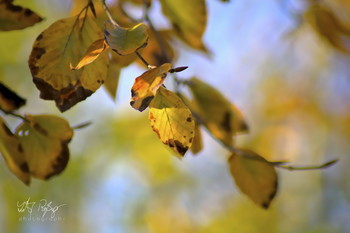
(9, 100)
(13, 17)
(172, 121)
(12, 151)
(146, 86)
(64, 43)
(189, 20)
(45, 141)
(221, 117)
(254, 176)
(125, 41)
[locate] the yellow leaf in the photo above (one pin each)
(254, 176)
(14, 17)
(92, 53)
(65, 42)
(221, 117)
(45, 141)
(145, 86)
(125, 41)
(172, 121)
(11, 149)
(189, 19)
(9, 101)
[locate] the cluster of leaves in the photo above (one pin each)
(74, 56)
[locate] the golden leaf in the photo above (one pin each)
(172, 121)
(92, 53)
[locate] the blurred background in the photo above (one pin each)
(282, 72)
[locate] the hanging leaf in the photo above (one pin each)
(189, 20)
(197, 143)
(65, 42)
(9, 100)
(125, 41)
(13, 17)
(145, 86)
(172, 121)
(45, 141)
(92, 53)
(221, 117)
(254, 176)
(154, 53)
(12, 151)
(111, 83)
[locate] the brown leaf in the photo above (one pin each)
(9, 100)
(146, 86)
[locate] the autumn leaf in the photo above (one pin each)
(9, 100)
(254, 176)
(172, 121)
(13, 17)
(45, 139)
(146, 86)
(63, 43)
(112, 80)
(221, 117)
(12, 151)
(125, 41)
(92, 53)
(189, 19)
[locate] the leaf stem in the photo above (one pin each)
(143, 60)
(110, 17)
(303, 168)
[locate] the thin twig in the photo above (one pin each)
(81, 125)
(303, 168)
(110, 17)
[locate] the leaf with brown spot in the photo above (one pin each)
(221, 117)
(45, 141)
(145, 86)
(189, 20)
(92, 53)
(65, 42)
(12, 151)
(169, 119)
(13, 17)
(9, 100)
(126, 41)
(112, 81)
(254, 176)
